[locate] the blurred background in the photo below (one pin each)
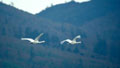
(97, 21)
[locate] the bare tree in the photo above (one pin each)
(51, 4)
(12, 4)
(72, 0)
(2, 1)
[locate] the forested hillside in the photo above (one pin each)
(98, 25)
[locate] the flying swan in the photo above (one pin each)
(72, 41)
(34, 41)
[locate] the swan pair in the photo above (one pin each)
(36, 40)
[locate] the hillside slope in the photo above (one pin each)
(99, 49)
(79, 13)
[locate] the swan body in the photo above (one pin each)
(72, 41)
(34, 41)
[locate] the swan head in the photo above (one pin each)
(79, 42)
(41, 41)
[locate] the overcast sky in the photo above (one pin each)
(35, 6)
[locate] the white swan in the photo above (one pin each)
(34, 41)
(72, 41)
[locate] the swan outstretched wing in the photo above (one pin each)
(29, 39)
(77, 37)
(67, 40)
(37, 38)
